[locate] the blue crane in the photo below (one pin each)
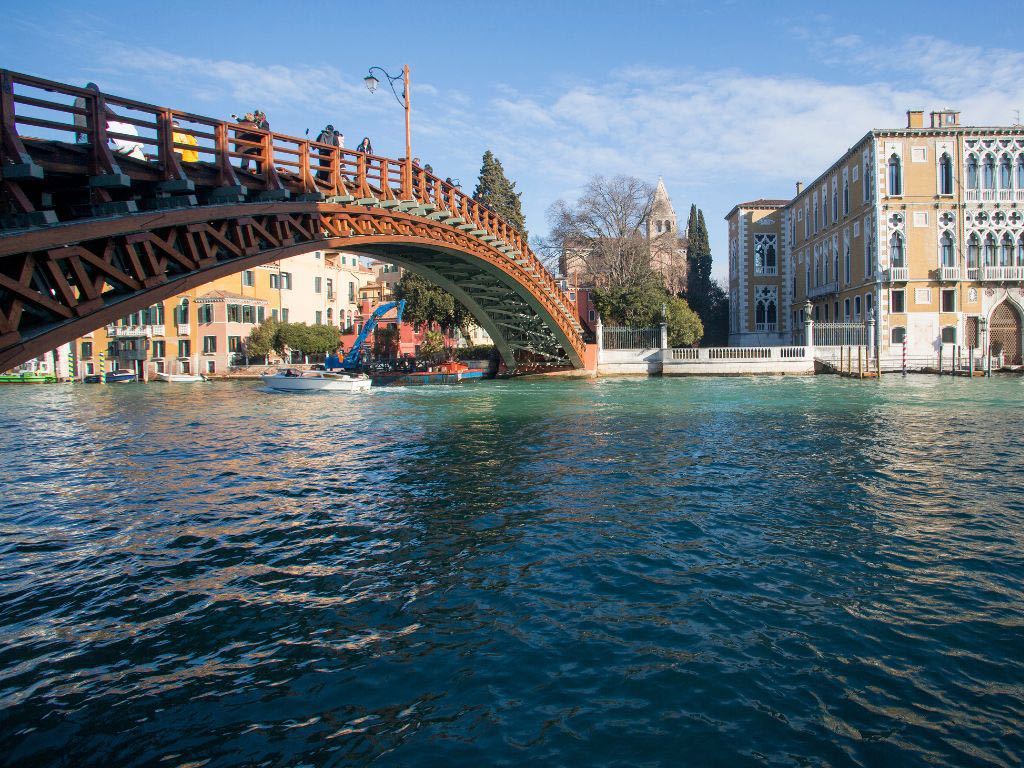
(351, 360)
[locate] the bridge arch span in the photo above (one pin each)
(80, 283)
(76, 252)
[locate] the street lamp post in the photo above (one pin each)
(371, 85)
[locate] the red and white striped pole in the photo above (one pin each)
(904, 355)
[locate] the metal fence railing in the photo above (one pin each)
(613, 337)
(839, 334)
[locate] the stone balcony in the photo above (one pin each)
(897, 274)
(134, 331)
(824, 289)
(1002, 274)
(993, 195)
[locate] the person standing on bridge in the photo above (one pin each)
(327, 136)
(179, 137)
(82, 121)
(365, 146)
(248, 120)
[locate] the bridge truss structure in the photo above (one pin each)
(89, 234)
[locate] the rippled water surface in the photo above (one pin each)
(616, 572)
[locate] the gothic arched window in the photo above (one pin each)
(1020, 251)
(181, 312)
(846, 196)
(946, 250)
(1006, 173)
(988, 173)
(973, 252)
(990, 250)
(765, 258)
(945, 175)
(972, 172)
(1006, 252)
(766, 313)
(668, 226)
(895, 175)
(896, 250)
(1020, 172)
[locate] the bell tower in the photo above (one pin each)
(668, 250)
(663, 218)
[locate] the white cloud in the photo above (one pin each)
(717, 136)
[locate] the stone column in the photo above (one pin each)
(869, 333)
(599, 334)
(664, 327)
(809, 325)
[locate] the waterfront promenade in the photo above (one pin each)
(697, 571)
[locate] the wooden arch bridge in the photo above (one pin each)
(88, 235)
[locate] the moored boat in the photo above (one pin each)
(121, 376)
(316, 381)
(27, 377)
(179, 378)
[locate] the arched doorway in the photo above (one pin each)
(1004, 333)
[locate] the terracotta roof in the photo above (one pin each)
(763, 202)
(220, 295)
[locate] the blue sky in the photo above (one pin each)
(728, 101)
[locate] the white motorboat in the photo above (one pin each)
(317, 381)
(179, 378)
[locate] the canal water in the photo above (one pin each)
(611, 573)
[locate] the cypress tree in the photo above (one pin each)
(698, 256)
(494, 190)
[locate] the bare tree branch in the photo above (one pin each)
(601, 237)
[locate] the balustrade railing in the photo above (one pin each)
(947, 274)
(1003, 273)
(897, 274)
(699, 354)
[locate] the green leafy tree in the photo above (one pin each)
(497, 192)
(426, 303)
(638, 303)
(433, 343)
(291, 336)
(645, 304)
(320, 340)
(684, 326)
(262, 339)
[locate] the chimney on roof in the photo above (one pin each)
(945, 117)
(799, 187)
(915, 118)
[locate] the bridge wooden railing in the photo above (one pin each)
(230, 155)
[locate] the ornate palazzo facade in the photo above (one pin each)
(919, 229)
